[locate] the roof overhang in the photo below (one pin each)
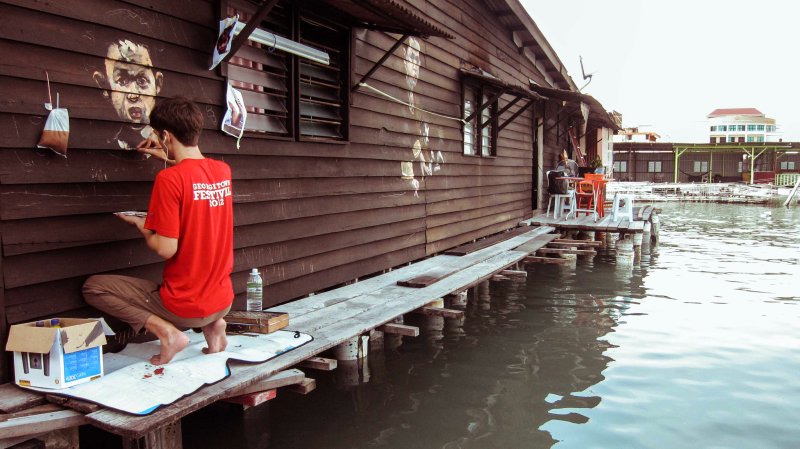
(597, 112)
(509, 87)
(387, 15)
(502, 88)
(530, 40)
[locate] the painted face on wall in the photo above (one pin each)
(130, 81)
(411, 62)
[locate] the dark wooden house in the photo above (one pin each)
(430, 126)
(724, 162)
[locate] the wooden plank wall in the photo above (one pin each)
(310, 215)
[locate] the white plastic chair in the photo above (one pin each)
(623, 206)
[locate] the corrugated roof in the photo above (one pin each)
(735, 111)
(596, 110)
(388, 15)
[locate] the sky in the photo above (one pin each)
(666, 64)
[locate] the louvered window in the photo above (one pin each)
(290, 96)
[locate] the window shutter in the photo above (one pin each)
(261, 75)
(322, 98)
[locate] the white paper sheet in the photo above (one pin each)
(131, 384)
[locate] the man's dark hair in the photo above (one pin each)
(181, 117)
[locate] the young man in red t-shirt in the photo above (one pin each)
(190, 224)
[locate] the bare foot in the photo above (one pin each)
(174, 343)
(172, 340)
(215, 336)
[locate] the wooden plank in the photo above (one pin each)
(319, 363)
(318, 280)
(39, 423)
(253, 399)
(580, 252)
(514, 273)
(330, 326)
(445, 238)
(546, 260)
(576, 242)
(484, 243)
(424, 280)
(61, 34)
(531, 246)
(167, 436)
(399, 329)
(277, 380)
(72, 403)
(14, 399)
(130, 19)
(306, 386)
(440, 311)
(260, 322)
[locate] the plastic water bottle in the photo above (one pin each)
(254, 291)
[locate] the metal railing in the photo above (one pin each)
(786, 179)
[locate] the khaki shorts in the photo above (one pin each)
(133, 300)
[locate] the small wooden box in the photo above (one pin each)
(257, 322)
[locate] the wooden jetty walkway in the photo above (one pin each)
(645, 219)
(333, 318)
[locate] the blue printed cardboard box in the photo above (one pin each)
(57, 353)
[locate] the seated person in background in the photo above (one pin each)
(567, 165)
(190, 224)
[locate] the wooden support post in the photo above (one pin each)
(499, 277)
(458, 299)
(319, 363)
(562, 251)
(306, 386)
(166, 437)
(637, 244)
(656, 225)
(393, 341)
(399, 329)
(483, 295)
(353, 348)
(625, 251)
(253, 399)
(440, 311)
(550, 260)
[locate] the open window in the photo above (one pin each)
(480, 116)
(288, 95)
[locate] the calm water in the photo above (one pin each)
(695, 346)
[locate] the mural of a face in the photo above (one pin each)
(130, 82)
(411, 62)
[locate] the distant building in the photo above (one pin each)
(741, 125)
(633, 134)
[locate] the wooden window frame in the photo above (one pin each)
(489, 115)
(309, 87)
(654, 167)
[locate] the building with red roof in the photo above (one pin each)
(728, 125)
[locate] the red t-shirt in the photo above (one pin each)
(192, 202)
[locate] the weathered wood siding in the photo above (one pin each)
(311, 215)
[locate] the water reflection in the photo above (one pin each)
(692, 345)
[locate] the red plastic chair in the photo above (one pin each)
(586, 198)
(599, 182)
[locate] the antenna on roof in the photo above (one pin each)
(585, 76)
